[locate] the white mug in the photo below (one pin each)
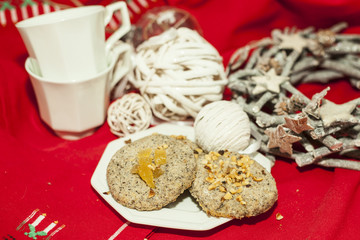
(70, 44)
(74, 109)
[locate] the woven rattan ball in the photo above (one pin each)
(129, 114)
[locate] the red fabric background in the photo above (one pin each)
(40, 170)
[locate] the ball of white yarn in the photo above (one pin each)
(178, 72)
(222, 125)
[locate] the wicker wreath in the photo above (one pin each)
(262, 77)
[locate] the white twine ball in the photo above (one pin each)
(222, 125)
(129, 114)
(178, 72)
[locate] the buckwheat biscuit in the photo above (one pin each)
(177, 174)
(232, 185)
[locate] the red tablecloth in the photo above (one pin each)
(41, 173)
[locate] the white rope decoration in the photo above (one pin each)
(129, 114)
(178, 72)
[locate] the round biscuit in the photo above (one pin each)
(259, 196)
(131, 191)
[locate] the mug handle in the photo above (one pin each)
(122, 66)
(125, 22)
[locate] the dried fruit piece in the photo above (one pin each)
(144, 155)
(135, 169)
(144, 171)
(146, 174)
(160, 157)
(149, 162)
(158, 172)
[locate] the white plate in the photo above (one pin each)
(185, 213)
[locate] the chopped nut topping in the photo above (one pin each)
(179, 137)
(237, 184)
(221, 163)
(222, 189)
(239, 190)
(208, 167)
(226, 154)
(229, 174)
(246, 182)
(212, 187)
(198, 150)
(240, 200)
(151, 193)
(279, 216)
(257, 179)
(233, 191)
(227, 196)
(210, 179)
